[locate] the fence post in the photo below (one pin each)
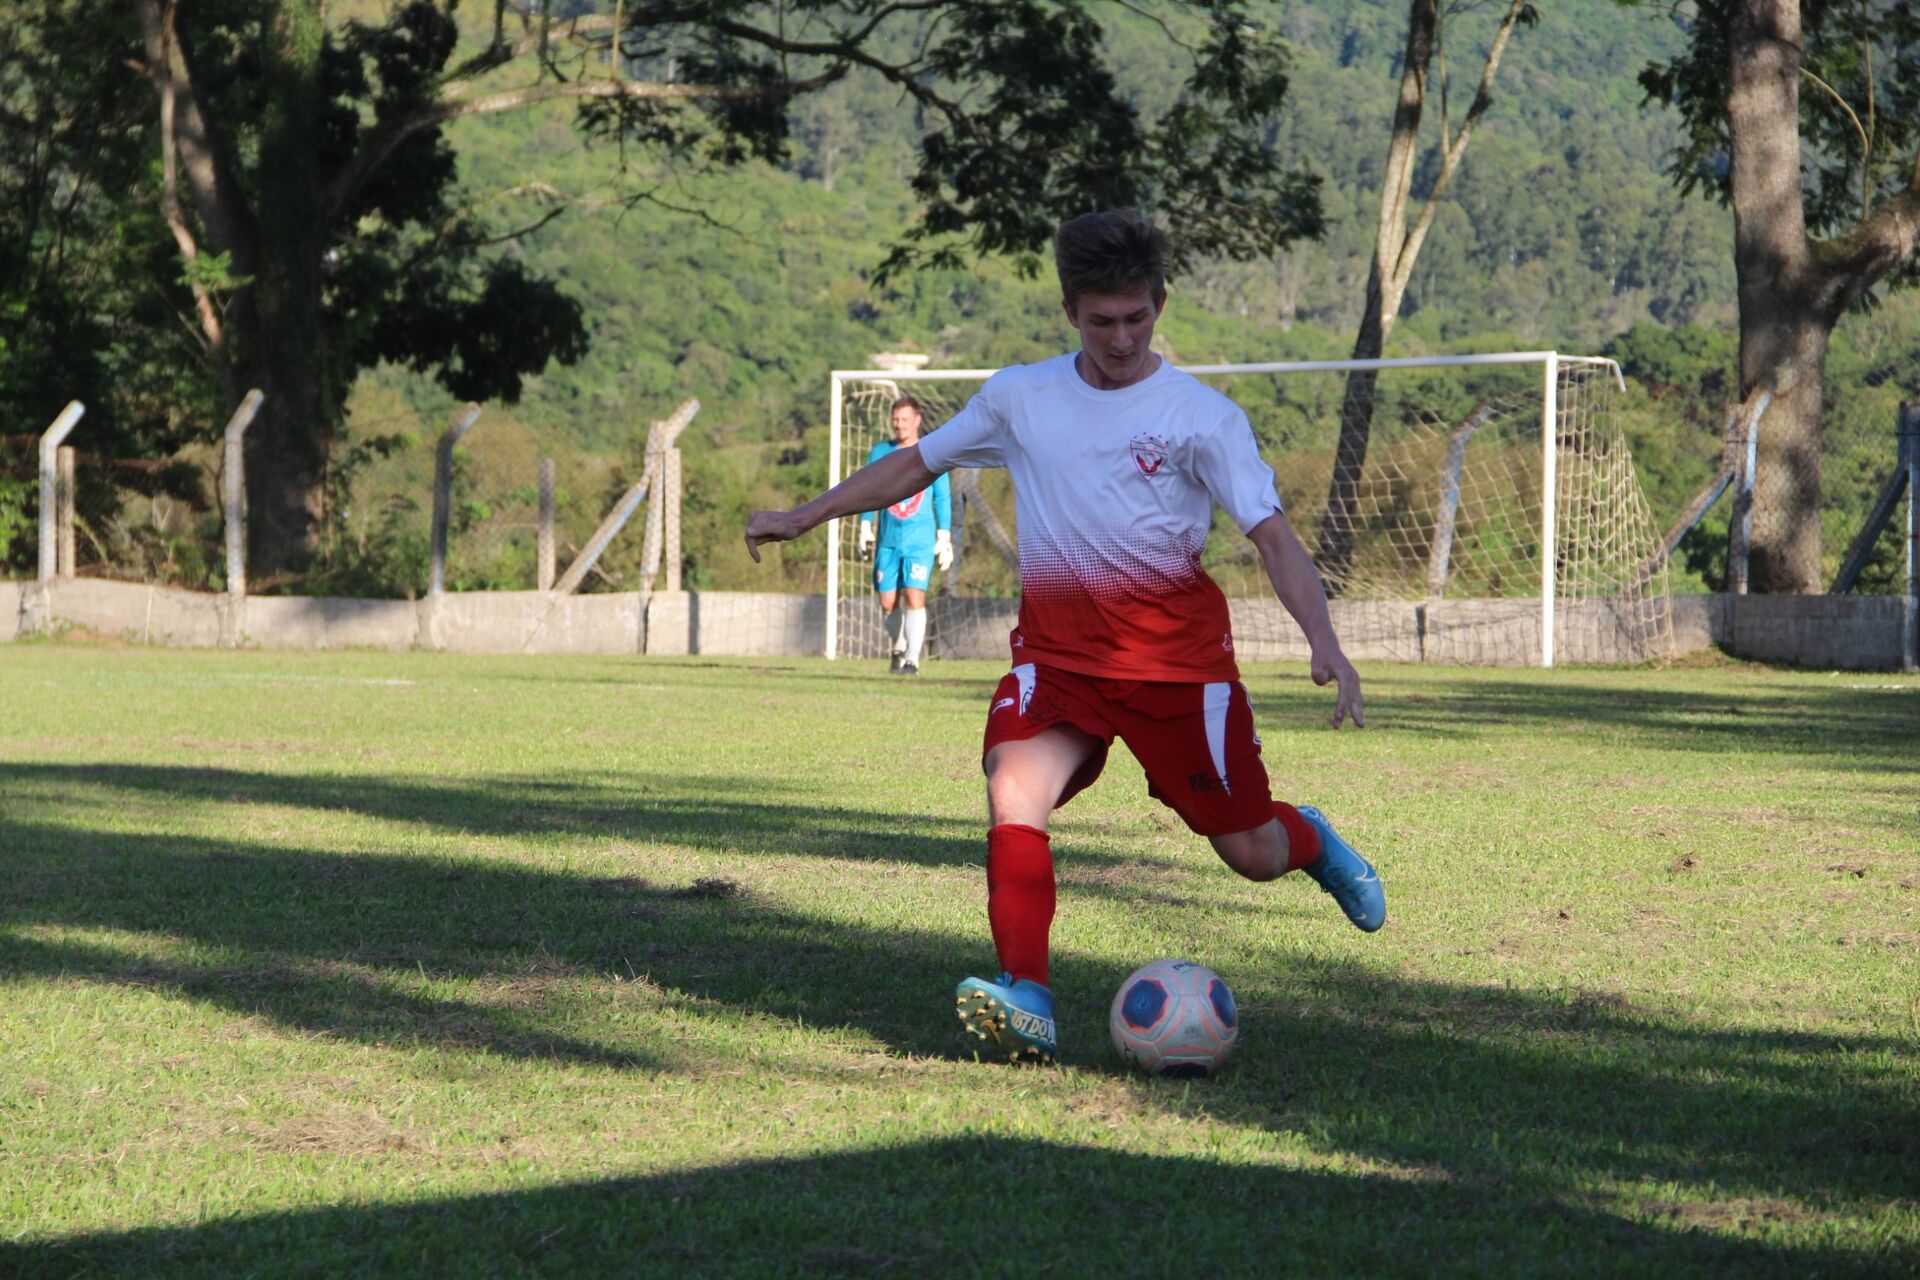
(50, 442)
(546, 525)
(233, 493)
(1910, 462)
(1743, 451)
(656, 510)
(1440, 552)
(667, 431)
(63, 511)
(443, 495)
(670, 489)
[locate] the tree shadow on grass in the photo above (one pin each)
(1861, 729)
(1521, 1094)
(732, 814)
(981, 1205)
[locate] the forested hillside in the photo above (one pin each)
(744, 288)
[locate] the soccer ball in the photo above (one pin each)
(1174, 1018)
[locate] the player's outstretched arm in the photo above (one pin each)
(1296, 582)
(876, 485)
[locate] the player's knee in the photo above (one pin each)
(1257, 854)
(1014, 795)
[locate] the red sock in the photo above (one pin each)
(1303, 841)
(1020, 898)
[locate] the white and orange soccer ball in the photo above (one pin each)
(1174, 1018)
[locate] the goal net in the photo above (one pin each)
(1487, 512)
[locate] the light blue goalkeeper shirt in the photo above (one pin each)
(910, 523)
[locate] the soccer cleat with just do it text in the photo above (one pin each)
(1011, 1017)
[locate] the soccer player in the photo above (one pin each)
(913, 536)
(1117, 459)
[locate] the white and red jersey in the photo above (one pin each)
(1114, 494)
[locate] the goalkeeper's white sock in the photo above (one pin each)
(893, 627)
(916, 634)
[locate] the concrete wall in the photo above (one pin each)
(1856, 633)
(1849, 632)
(11, 609)
(736, 623)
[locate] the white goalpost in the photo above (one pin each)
(1495, 518)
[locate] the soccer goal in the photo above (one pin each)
(1487, 512)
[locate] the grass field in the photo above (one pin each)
(407, 964)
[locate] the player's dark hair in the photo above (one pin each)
(907, 402)
(1116, 251)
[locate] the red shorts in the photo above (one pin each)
(1196, 741)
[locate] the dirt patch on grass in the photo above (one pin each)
(1133, 875)
(339, 1131)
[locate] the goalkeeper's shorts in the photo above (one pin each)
(1195, 741)
(896, 567)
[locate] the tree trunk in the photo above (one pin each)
(285, 341)
(286, 448)
(1334, 554)
(1335, 551)
(1786, 347)
(1783, 327)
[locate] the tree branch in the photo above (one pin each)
(217, 196)
(212, 331)
(1851, 264)
(500, 53)
(1456, 148)
(1866, 144)
(382, 142)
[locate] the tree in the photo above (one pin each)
(1806, 121)
(1397, 243)
(85, 285)
(308, 184)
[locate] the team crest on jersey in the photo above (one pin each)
(905, 508)
(1149, 454)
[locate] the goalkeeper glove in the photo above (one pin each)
(865, 540)
(943, 550)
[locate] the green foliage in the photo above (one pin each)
(384, 557)
(1859, 104)
(1562, 231)
(1692, 360)
(212, 272)
(90, 299)
(17, 503)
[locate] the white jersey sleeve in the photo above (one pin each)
(977, 436)
(1227, 460)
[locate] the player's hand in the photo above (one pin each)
(943, 549)
(770, 526)
(1332, 667)
(863, 544)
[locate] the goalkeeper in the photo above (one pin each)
(1118, 461)
(905, 542)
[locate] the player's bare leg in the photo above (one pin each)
(1303, 838)
(1025, 779)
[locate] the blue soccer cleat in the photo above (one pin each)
(1014, 1016)
(1348, 877)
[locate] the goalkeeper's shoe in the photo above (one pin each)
(1013, 1017)
(899, 661)
(1349, 878)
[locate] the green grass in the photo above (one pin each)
(407, 964)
